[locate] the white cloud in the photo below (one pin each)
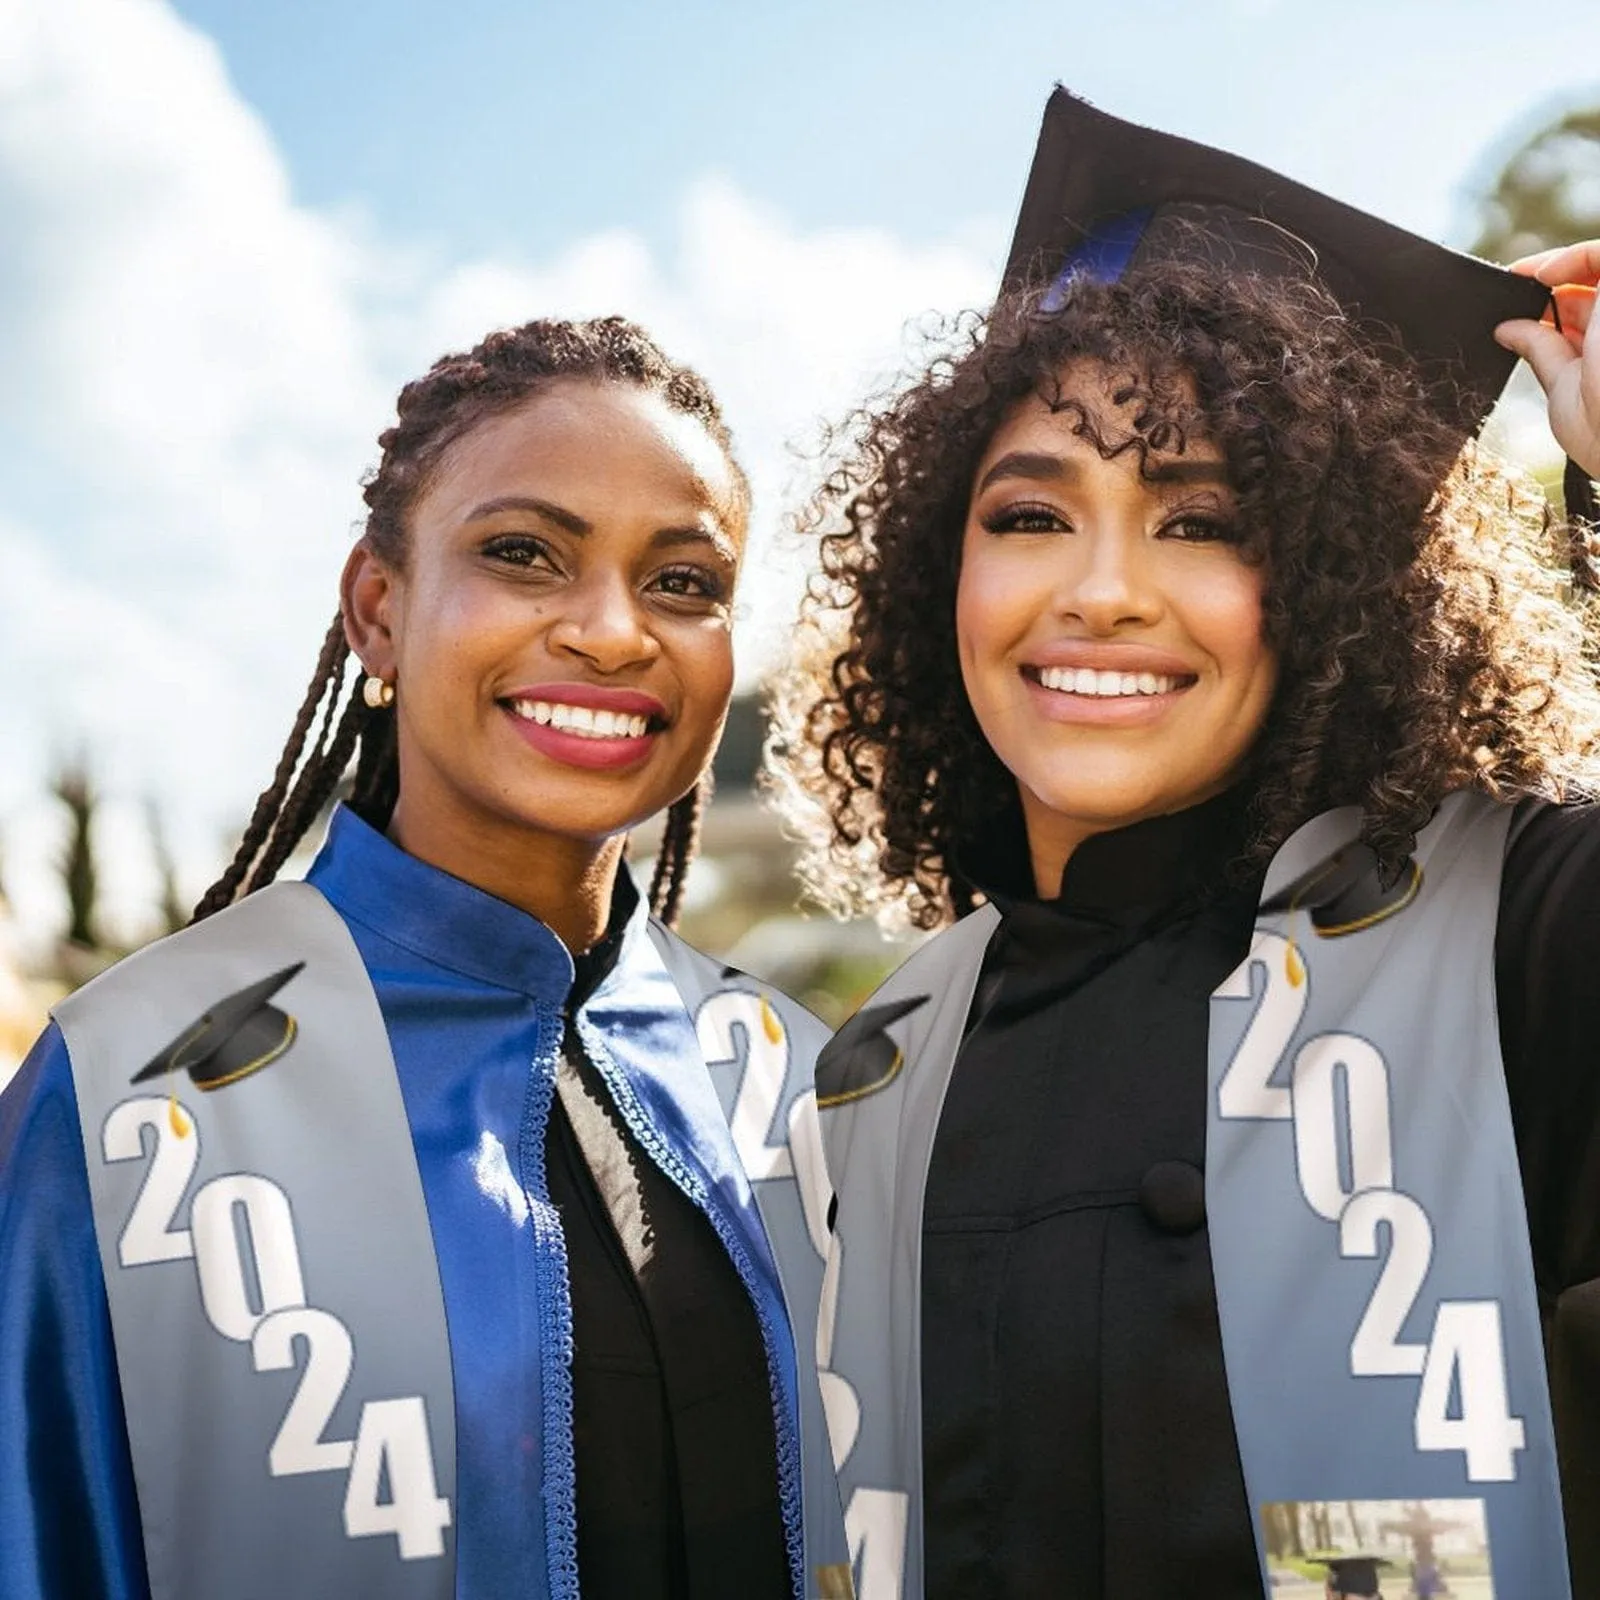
(198, 365)
(790, 328)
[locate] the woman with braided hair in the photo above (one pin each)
(436, 1226)
(1179, 656)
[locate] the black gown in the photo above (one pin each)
(675, 1447)
(1077, 1435)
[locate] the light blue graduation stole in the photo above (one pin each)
(1374, 1279)
(291, 1436)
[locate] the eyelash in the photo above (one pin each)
(517, 549)
(1214, 529)
(525, 550)
(709, 585)
(1016, 519)
(1209, 527)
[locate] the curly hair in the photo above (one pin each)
(1420, 598)
(455, 395)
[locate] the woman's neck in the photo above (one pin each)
(565, 882)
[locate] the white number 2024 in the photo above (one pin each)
(1337, 1100)
(392, 1441)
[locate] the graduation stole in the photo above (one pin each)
(1379, 1319)
(241, 1119)
(1374, 1280)
(760, 1048)
(275, 1298)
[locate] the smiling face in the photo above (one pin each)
(1108, 626)
(559, 635)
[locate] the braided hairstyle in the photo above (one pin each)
(456, 394)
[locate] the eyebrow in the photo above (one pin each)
(559, 515)
(674, 538)
(662, 539)
(1041, 467)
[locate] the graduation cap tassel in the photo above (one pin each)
(770, 1024)
(1294, 963)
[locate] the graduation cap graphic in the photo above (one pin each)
(234, 1038)
(1346, 892)
(1104, 195)
(861, 1058)
(1354, 1576)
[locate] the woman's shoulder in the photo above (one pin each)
(1550, 887)
(1545, 832)
(1546, 939)
(38, 1108)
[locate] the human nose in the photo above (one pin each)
(602, 621)
(1107, 582)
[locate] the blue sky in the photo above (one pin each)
(491, 125)
(232, 228)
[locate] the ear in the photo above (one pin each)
(369, 600)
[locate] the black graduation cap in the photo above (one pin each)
(861, 1058)
(1355, 1576)
(1346, 892)
(235, 1037)
(1104, 195)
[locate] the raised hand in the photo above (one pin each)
(1565, 360)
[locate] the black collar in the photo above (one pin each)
(1128, 872)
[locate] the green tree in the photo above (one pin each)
(1547, 193)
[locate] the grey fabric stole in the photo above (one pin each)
(278, 1317)
(759, 1046)
(879, 1113)
(1380, 1324)
(1365, 1365)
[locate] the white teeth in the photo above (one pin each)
(582, 720)
(1105, 685)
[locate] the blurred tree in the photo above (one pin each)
(74, 788)
(1547, 192)
(1357, 1537)
(1287, 1517)
(173, 911)
(1321, 1526)
(1275, 1529)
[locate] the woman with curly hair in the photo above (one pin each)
(407, 1232)
(1169, 644)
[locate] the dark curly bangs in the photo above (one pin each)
(1417, 597)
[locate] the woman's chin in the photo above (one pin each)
(1117, 800)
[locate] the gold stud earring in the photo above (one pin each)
(376, 692)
